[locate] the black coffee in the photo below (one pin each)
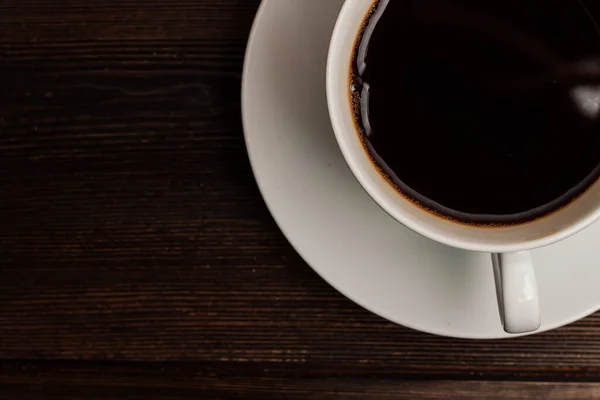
(483, 111)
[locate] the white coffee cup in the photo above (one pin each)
(509, 246)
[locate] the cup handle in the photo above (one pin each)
(517, 292)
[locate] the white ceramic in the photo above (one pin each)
(519, 303)
(344, 235)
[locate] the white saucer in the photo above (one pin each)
(336, 227)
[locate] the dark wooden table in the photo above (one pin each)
(138, 260)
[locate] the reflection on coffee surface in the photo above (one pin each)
(485, 112)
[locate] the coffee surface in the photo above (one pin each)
(482, 111)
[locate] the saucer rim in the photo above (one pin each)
(245, 98)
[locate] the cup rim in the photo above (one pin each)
(343, 139)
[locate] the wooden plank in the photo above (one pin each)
(185, 381)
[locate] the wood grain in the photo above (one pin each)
(132, 229)
(183, 381)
